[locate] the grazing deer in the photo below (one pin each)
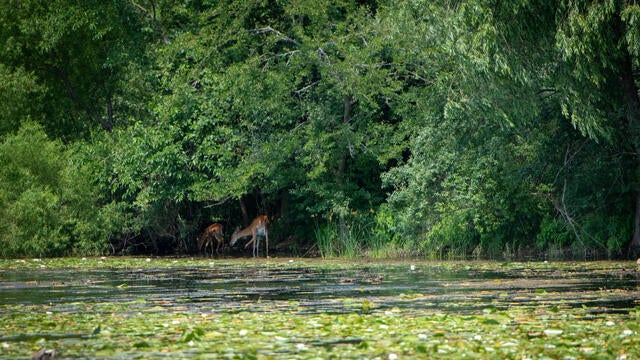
(259, 227)
(213, 231)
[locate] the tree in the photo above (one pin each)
(598, 43)
(267, 99)
(470, 104)
(75, 57)
(47, 199)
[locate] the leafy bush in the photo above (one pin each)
(47, 201)
(553, 233)
(452, 237)
(610, 232)
(594, 234)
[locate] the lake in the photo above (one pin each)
(305, 308)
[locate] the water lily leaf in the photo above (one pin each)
(141, 344)
(552, 332)
(190, 335)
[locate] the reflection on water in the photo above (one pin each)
(234, 287)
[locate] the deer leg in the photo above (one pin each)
(220, 244)
(253, 248)
(257, 247)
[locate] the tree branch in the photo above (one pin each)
(269, 29)
(153, 17)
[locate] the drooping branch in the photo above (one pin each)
(219, 202)
(561, 205)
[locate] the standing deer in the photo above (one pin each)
(259, 227)
(213, 231)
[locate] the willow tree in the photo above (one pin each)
(599, 44)
(470, 106)
(488, 90)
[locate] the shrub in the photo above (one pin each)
(47, 200)
(453, 236)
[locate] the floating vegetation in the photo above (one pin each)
(121, 308)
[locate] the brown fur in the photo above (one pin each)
(213, 231)
(259, 227)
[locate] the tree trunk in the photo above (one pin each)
(342, 167)
(634, 245)
(346, 118)
(632, 102)
(245, 214)
(107, 123)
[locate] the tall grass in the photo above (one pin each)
(336, 238)
(325, 234)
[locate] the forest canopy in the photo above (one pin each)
(444, 129)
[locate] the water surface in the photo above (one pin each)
(328, 287)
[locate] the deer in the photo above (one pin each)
(258, 227)
(213, 231)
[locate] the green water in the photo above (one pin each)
(87, 295)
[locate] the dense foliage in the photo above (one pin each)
(439, 128)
